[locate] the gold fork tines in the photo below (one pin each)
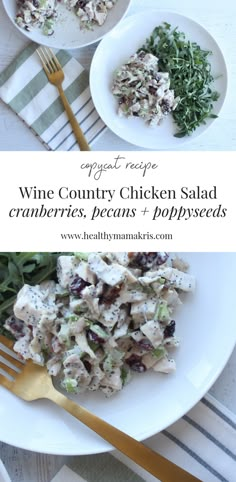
(55, 75)
(33, 382)
(49, 60)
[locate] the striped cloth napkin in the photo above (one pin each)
(203, 442)
(25, 88)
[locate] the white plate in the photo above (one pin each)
(117, 47)
(151, 401)
(67, 34)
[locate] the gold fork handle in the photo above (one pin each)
(74, 124)
(151, 461)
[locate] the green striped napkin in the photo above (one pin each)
(25, 88)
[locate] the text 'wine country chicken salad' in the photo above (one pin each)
(108, 314)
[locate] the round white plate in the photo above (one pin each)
(150, 402)
(118, 46)
(67, 33)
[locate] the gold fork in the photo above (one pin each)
(32, 382)
(55, 75)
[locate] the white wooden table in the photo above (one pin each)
(217, 17)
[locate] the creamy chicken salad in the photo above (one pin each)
(142, 90)
(43, 13)
(107, 315)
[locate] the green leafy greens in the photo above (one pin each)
(190, 76)
(16, 269)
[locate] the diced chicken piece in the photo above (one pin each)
(110, 315)
(110, 343)
(131, 296)
(16, 327)
(113, 379)
(149, 360)
(74, 368)
(137, 335)
(89, 9)
(180, 264)
(83, 271)
(66, 270)
(121, 331)
(77, 305)
(143, 310)
(54, 365)
(46, 323)
(172, 298)
(121, 258)
(77, 326)
(153, 332)
(180, 280)
(149, 278)
(49, 287)
(136, 272)
(56, 345)
(32, 303)
(96, 376)
(123, 317)
(109, 4)
(21, 347)
(73, 359)
(82, 343)
(113, 274)
(165, 365)
(35, 346)
(171, 342)
(89, 296)
(100, 17)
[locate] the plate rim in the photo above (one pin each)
(127, 19)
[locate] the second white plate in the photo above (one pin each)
(118, 46)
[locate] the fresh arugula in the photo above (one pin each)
(16, 269)
(190, 76)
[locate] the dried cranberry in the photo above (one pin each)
(150, 260)
(169, 329)
(87, 365)
(152, 90)
(77, 285)
(94, 337)
(81, 3)
(109, 294)
(15, 326)
(165, 107)
(145, 344)
(135, 363)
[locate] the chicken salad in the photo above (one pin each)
(143, 90)
(107, 315)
